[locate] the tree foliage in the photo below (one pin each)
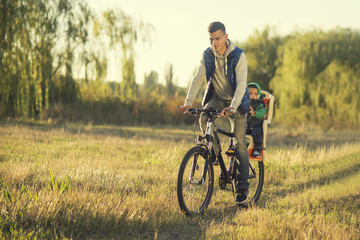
(44, 43)
(314, 75)
(54, 59)
(317, 78)
(261, 55)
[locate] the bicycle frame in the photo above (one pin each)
(214, 143)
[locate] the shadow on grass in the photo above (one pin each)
(147, 132)
(276, 138)
(342, 171)
(73, 222)
(311, 140)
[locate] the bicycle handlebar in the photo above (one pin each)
(212, 112)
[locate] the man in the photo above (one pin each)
(225, 69)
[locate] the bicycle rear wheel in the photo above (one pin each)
(256, 180)
(195, 181)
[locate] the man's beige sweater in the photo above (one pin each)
(222, 86)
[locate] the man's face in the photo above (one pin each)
(254, 93)
(218, 41)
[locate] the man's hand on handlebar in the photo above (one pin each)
(229, 111)
(184, 109)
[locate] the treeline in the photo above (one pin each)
(53, 62)
(54, 56)
(315, 75)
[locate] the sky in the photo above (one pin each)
(180, 27)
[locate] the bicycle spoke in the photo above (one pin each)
(195, 182)
(193, 168)
(252, 172)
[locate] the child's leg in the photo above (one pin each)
(257, 136)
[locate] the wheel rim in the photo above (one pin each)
(256, 179)
(195, 192)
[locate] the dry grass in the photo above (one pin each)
(96, 182)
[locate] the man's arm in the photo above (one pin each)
(196, 84)
(241, 81)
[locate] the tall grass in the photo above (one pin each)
(96, 182)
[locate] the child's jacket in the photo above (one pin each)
(259, 108)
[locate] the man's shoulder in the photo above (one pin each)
(208, 55)
(236, 54)
(238, 51)
(208, 51)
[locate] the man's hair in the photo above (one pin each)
(215, 26)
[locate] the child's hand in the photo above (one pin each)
(252, 110)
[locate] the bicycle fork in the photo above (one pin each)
(195, 167)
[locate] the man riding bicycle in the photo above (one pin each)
(225, 69)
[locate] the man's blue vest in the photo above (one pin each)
(232, 60)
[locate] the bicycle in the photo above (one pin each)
(196, 174)
(195, 189)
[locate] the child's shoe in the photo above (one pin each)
(256, 153)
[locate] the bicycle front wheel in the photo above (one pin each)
(195, 181)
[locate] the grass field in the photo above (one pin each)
(110, 182)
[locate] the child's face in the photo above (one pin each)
(253, 93)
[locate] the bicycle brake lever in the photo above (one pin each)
(193, 110)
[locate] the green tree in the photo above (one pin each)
(151, 84)
(123, 30)
(169, 80)
(261, 54)
(311, 65)
(8, 70)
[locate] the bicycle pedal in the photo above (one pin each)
(222, 182)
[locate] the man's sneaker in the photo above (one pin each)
(241, 196)
(256, 153)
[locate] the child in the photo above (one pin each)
(255, 117)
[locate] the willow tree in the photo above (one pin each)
(44, 43)
(8, 73)
(124, 30)
(31, 39)
(17, 58)
(318, 72)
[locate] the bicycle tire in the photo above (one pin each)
(194, 197)
(256, 181)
